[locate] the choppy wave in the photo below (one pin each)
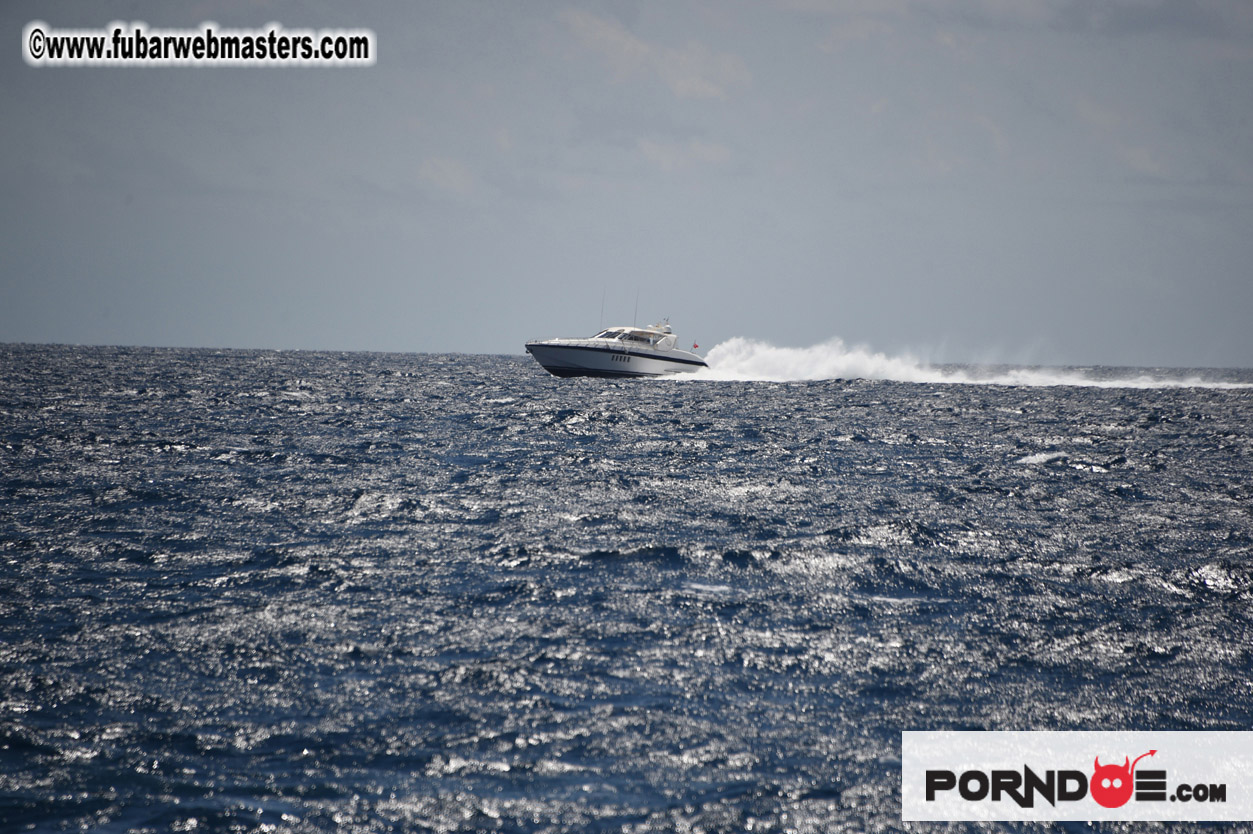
(750, 360)
(361, 593)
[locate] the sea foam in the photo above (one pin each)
(742, 359)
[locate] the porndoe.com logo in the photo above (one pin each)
(1110, 785)
(1190, 776)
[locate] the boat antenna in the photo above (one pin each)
(602, 308)
(635, 317)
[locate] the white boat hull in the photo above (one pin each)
(583, 357)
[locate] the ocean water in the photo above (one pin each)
(266, 591)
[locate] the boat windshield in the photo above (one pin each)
(642, 337)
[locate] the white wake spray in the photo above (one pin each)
(740, 359)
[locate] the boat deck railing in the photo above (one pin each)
(604, 344)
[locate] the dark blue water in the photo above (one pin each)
(362, 592)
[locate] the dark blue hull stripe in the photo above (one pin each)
(698, 362)
(565, 373)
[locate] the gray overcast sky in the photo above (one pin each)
(983, 180)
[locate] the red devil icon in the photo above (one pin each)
(1111, 785)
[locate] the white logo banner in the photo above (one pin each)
(1077, 776)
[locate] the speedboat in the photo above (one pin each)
(617, 352)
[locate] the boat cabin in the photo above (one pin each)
(658, 338)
